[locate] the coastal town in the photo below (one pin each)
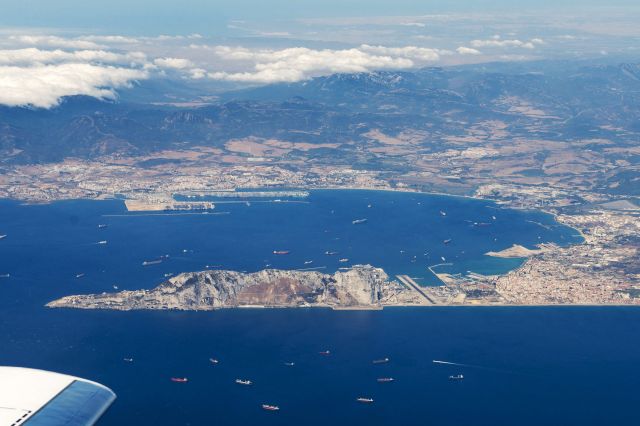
(602, 270)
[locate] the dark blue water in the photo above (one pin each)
(523, 366)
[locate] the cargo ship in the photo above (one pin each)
(385, 380)
(359, 221)
(289, 364)
(270, 407)
(79, 275)
(213, 361)
(102, 242)
(457, 377)
(330, 253)
(281, 252)
(102, 226)
(343, 260)
(380, 361)
(179, 379)
(2, 237)
(244, 382)
(151, 262)
(127, 359)
(5, 275)
(447, 241)
(365, 400)
(325, 353)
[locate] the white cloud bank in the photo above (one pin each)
(468, 51)
(34, 56)
(497, 41)
(300, 63)
(43, 86)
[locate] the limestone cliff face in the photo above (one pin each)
(361, 286)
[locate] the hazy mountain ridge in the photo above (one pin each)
(589, 101)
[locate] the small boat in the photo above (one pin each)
(289, 364)
(281, 252)
(79, 275)
(115, 287)
(244, 382)
(380, 361)
(343, 260)
(102, 242)
(359, 221)
(102, 226)
(447, 241)
(270, 407)
(443, 213)
(493, 217)
(385, 380)
(151, 262)
(307, 262)
(325, 353)
(330, 253)
(127, 359)
(179, 379)
(213, 361)
(365, 400)
(167, 275)
(443, 258)
(456, 377)
(368, 206)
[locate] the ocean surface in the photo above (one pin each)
(522, 366)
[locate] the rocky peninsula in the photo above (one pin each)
(361, 287)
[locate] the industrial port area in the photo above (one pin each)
(602, 270)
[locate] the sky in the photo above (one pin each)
(52, 49)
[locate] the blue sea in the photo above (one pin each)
(522, 366)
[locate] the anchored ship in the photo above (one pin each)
(359, 221)
(151, 262)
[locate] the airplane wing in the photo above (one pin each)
(43, 398)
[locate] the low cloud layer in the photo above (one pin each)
(296, 64)
(38, 70)
(44, 85)
(497, 41)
